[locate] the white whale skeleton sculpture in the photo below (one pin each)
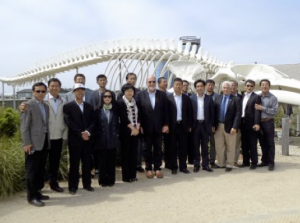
(146, 56)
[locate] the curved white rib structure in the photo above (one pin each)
(120, 54)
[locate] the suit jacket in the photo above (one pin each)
(88, 96)
(121, 93)
(78, 121)
(57, 126)
(186, 111)
(96, 98)
(252, 116)
(153, 119)
(209, 113)
(107, 132)
(233, 113)
(124, 121)
(33, 127)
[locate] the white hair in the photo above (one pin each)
(227, 83)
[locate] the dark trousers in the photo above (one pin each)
(167, 154)
(140, 151)
(77, 154)
(54, 160)
(201, 137)
(190, 148)
(212, 148)
(249, 145)
(35, 170)
(178, 146)
(154, 140)
(107, 166)
(266, 140)
(129, 150)
(94, 158)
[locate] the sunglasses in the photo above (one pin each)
(249, 86)
(106, 96)
(43, 92)
(151, 82)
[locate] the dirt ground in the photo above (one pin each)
(239, 196)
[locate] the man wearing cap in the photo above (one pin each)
(79, 116)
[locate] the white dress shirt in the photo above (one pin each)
(245, 100)
(80, 105)
(200, 105)
(178, 101)
(54, 103)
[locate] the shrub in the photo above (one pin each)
(9, 122)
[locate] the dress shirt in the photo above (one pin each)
(54, 103)
(152, 98)
(178, 101)
(245, 100)
(200, 105)
(80, 105)
(42, 108)
(269, 105)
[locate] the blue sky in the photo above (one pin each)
(260, 31)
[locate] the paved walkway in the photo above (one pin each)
(239, 196)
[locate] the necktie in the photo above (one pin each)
(223, 109)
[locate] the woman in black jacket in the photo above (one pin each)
(107, 138)
(129, 130)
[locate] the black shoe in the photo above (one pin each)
(252, 166)
(43, 197)
(271, 167)
(244, 165)
(57, 189)
(186, 171)
(110, 185)
(126, 180)
(133, 179)
(207, 168)
(214, 166)
(228, 169)
(103, 185)
(72, 191)
(36, 202)
(174, 171)
(140, 169)
(196, 169)
(262, 164)
(89, 188)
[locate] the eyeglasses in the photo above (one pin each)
(106, 96)
(43, 92)
(249, 86)
(151, 82)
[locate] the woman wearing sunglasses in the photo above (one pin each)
(130, 126)
(107, 138)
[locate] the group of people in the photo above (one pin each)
(139, 122)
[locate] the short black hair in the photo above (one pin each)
(100, 76)
(78, 75)
(185, 81)
(113, 100)
(130, 74)
(210, 81)
(266, 80)
(127, 87)
(39, 84)
(159, 79)
(250, 81)
(177, 79)
(199, 80)
(54, 79)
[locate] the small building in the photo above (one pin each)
(26, 94)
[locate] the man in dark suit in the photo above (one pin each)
(131, 79)
(153, 107)
(180, 112)
(250, 125)
(35, 142)
(234, 92)
(227, 121)
(80, 79)
(79, 116)
(96, 94)
(203, 118)
(209, 90)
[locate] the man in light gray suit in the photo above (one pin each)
(88, 96)
(35, 142)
